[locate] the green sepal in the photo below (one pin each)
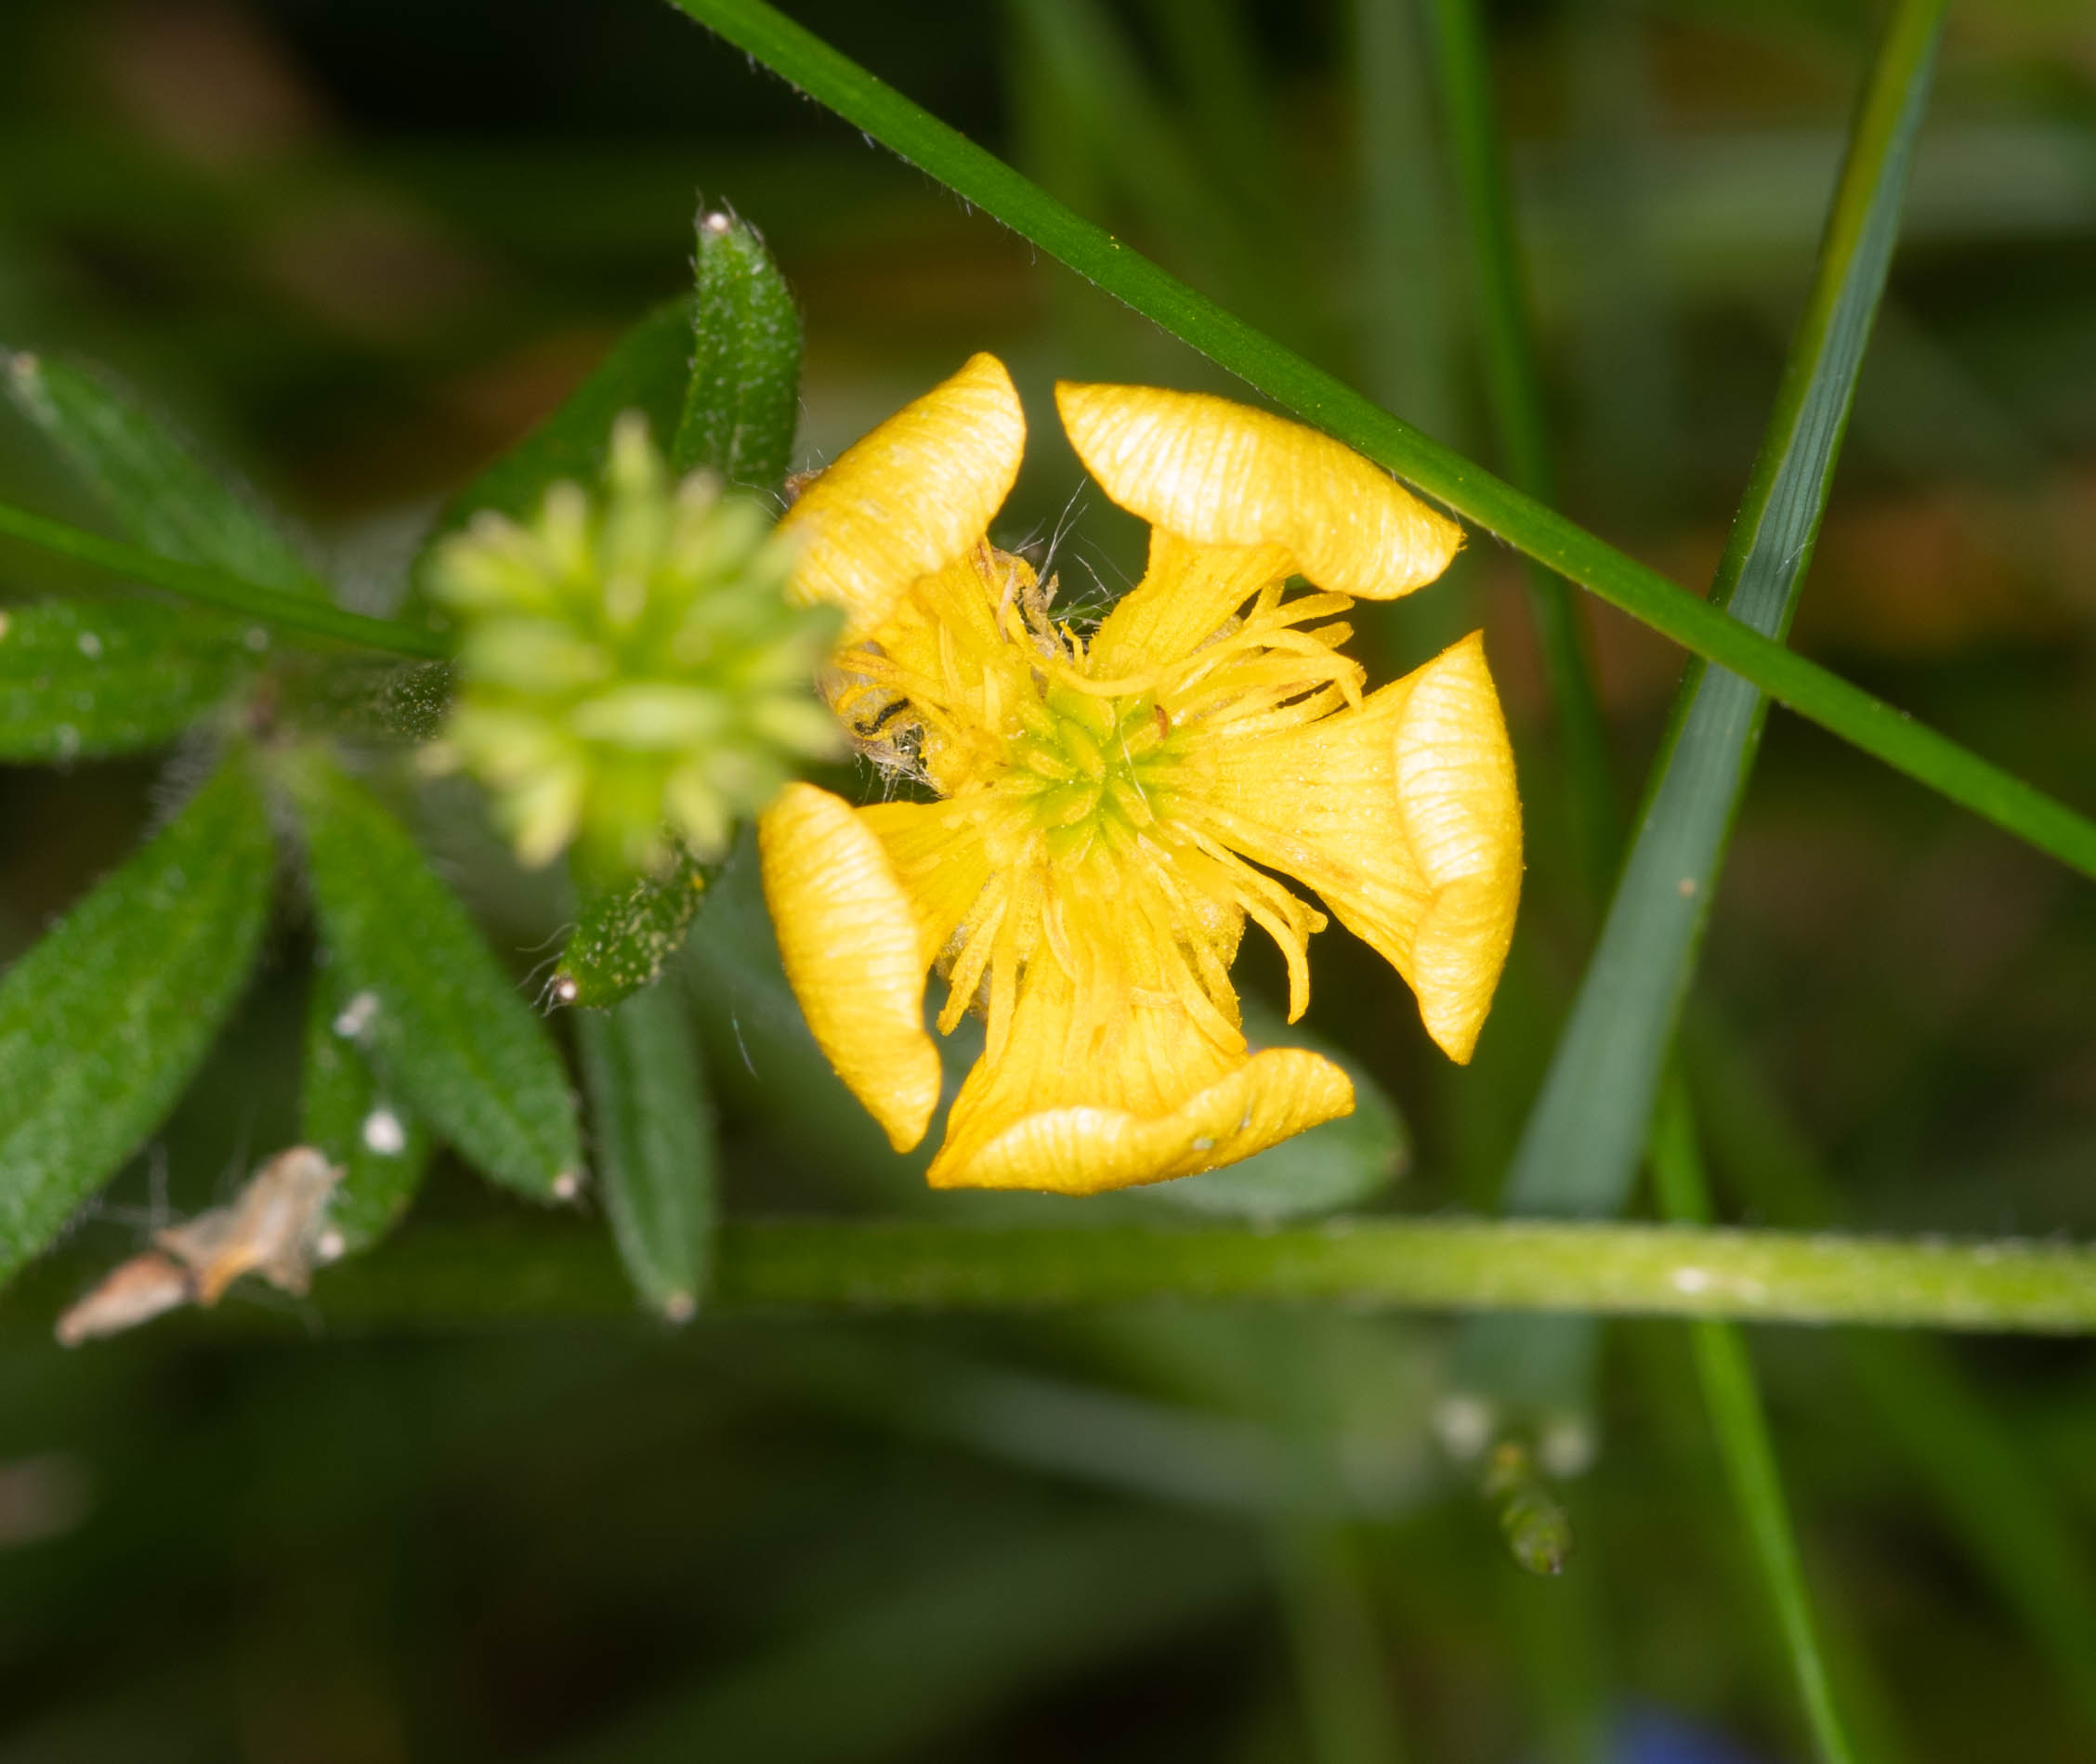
(153, 479)
(627, 933)
(104, 1020)
(651, 1125)
(80, 679)
(352, 1113)
(744, 404)
(426, 998)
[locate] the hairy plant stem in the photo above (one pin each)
(447, 1276)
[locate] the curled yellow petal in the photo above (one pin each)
(1076, 1106)
(853, 954)
(1461, 813)
(909, 498)
(1404, 817)
(1222, 474)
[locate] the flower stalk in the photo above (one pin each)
(2019, 1286)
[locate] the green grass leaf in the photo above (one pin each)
(103, 1021)
(742, 405)
(1317, 397)
(1579, 1149)
(153, 479)
(1726, 1375)
(353, 1115)
(1514, 385)
(651, 1125)
(1961, 1449)
(427, 996)
(81, 679)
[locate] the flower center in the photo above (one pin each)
(1088, 768)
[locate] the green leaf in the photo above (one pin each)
(646, 370)
(427, 996)
(153, 479)
(1579, 1149)
(626, 935)
(215, 587)
(83, 678)
(349, 1112)
(744, 402)
(986, 182)
(652, 1128)
(102, 1022)
(1333, 1168)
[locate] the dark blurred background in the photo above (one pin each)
(361, 247)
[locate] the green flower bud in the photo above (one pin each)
(631, 676)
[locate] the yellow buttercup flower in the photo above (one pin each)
(1111, 807)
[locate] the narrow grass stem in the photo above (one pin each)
(213, 588)
(981, 178)
(1726, 1375)
(1514, 387)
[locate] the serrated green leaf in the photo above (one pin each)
(83, 678)
(102, 1022)
(1340, 1165)
(626, 935)
(743, 404)
(153, 479)
(652, 1124)
(347, 1110)
(646, 370)
(427, 998)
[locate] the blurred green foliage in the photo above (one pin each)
(361, 248)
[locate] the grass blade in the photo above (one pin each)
(653, 1131)
(1408, 324)
(79, 679)
(1729, 1390)
(1514, 384)
(153, 479)
(426, 994)
(1579, 1152)
(102, 1022)
(1708, 631)
(1980, 1476)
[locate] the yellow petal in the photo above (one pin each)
(1461, 812)
(1076, 1106)
(853, 954)
(1222, 474)
(1186, 593)
(1404, 816)
(909, 498)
